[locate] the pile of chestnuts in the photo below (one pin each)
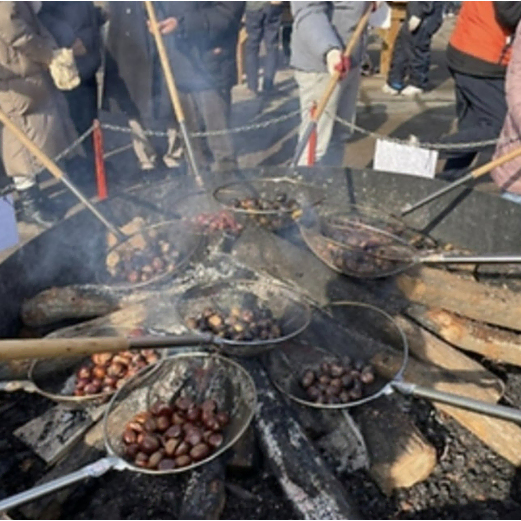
(218, 221)
(270, 212)
(173, 436)
(337, 382)
(254, 323)
(142, 261)
(106, 372)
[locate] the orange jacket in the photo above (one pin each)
(478, 33)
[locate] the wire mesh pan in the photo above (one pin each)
(268, 203)
(367, 331)
(361, 242)
(151, 255)
(199, 376)
(58, 378)
(282, 306)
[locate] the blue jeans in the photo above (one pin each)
(262, 23)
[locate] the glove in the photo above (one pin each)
(63, 69)
(413, 23)
(337, 62)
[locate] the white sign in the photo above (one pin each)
(8, 229)
(405, 159)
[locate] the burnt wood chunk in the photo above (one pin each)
(57, 304)
(244, 455)
(399, 453)
(302, 474)
(442, 289)
(491, 342)
(430, 348)
(502, 436)
(205, 494)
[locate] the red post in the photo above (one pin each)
(101, 179)
(312, 143)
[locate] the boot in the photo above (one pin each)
(36, 208)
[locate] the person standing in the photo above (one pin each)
(134, 84)
(30, 61)
(320, 33)
(76, 25)
(201, 41)
(478, 53)
(263, 21)
(412, 50)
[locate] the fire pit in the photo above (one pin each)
(462, 467)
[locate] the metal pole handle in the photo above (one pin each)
(477, 259)
(499, 411)
(93, 470)
(10, 386)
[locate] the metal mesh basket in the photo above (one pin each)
(268, 203)
(199, 376)
(182, 239)
(288, 309)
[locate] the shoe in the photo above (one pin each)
(37, 208)
(411, 90)
(146, 165)
(387, 89)
(171, 162)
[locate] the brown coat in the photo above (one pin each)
(508, 176)
(27, 94)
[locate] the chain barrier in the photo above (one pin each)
(235, 130)
(432, 146)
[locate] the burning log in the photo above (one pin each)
(501, 436)
(491, 342)
(478, 301)
(305, 479)
(205, 495)
(400, 454)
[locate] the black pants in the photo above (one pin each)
(262, 23)
(83, 108)
(209, 110)
(481, 109)
(412, 51)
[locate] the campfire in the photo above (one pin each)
(303, 454)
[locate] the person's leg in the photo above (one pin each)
(311, 86)
(482, 118)
(420, 49)
(174, 151)
(143, 149)
(272, 22)
(215, 108)
(254, 28)
(398, 70)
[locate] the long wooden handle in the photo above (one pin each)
(165, 63)
(487, 167)
(54, 347)
(347, 52)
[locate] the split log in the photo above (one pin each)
(399, 453)
(488, 341)
(501, 436)
(430, 348)
(205, 495)
(304, 477)
(478, 301)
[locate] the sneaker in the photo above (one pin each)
(387, 89)
(147, 165)
(411, 90)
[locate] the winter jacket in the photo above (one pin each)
(67, 21)
(203, 47)
(508, 175)
(319, 27)
(480, 43)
